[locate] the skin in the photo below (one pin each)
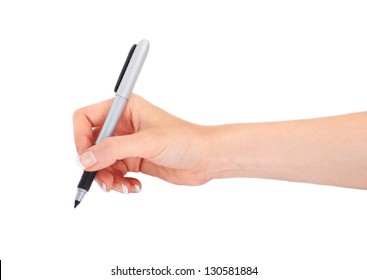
(328, 151)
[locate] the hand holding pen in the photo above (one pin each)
(150, 140)
(147, 139)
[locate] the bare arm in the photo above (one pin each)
(330, 151)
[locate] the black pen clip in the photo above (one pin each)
(125, 67)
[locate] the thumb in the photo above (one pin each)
(111, 149)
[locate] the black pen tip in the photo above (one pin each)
(76, 203)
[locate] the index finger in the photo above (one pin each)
(85, 119)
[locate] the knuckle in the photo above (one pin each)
(77, 114)
(107, 145)
(105, 152)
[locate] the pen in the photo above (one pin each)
(124, 86)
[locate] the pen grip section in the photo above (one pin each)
(86, 180)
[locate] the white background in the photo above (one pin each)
(210, 62)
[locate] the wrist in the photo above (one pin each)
(231, 153)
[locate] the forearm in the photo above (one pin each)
(330, 151)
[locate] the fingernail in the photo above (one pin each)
(104, 188)
(137, 188)
(80, 165)
(98, 182)
(125, 190)
(87, 159)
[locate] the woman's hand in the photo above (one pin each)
(147, 139)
